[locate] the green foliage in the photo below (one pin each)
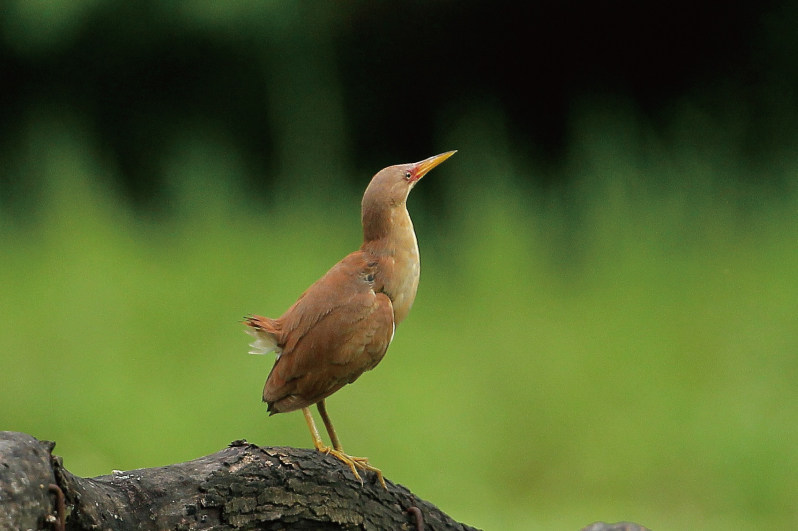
(621, 349)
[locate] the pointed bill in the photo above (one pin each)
(421, 168)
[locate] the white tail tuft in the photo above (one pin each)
(264, 343)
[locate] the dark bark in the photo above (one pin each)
(25, 476)
(241, 487)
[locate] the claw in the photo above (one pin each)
(353, 463)
(336, 451)
(363, 462)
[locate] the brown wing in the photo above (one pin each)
(338, 329)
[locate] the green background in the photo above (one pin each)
(618, 346)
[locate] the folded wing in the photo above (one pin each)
(339, 328)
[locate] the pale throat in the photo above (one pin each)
(407, 267)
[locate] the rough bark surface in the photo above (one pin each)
(241, 487)
(25, 477)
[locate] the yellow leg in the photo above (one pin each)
(319, 444)
(360, 462)
(314, 432)
(322, 407)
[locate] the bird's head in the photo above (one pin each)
(389, 189)
(391, 186)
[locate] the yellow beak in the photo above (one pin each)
(421, 168)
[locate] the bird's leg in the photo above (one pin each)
(314, 432)
(361, 462)
(319, 444)
(322, 407)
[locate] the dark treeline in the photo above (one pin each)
(395, 72)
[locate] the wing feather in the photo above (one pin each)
(338, 329)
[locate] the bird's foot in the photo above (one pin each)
(363, 463)
(354, 463)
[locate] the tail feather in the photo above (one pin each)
(266, 333)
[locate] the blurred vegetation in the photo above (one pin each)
(615, 340)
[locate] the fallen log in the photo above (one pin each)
(242, 487)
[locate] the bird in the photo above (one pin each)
(342, 325)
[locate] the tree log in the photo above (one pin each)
(26, 472)
(241, 487)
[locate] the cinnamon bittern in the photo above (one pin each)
(341, 326)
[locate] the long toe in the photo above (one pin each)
(363, 464)
(354, 463)
(348, 461)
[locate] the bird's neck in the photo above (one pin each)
(388, 229)
(377, 222)
(392, 243)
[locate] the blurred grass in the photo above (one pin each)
(623, 349)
